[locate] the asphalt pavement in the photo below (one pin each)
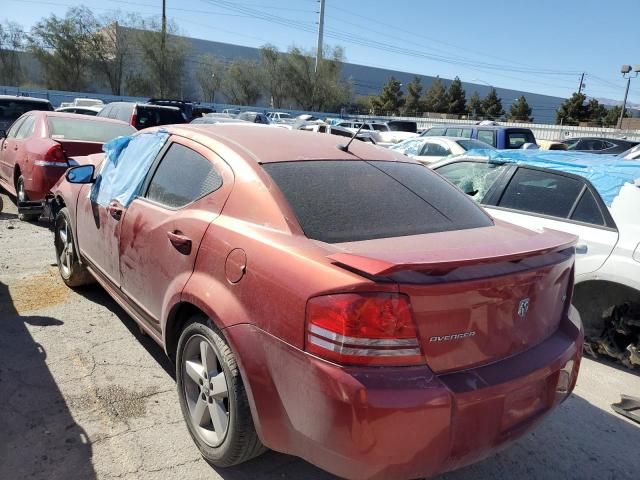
(84, 395)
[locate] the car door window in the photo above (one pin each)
(182, 177)
(487, 136)
(587, 210)
(434, 132)
(541, 192)
(26, 129)
(434, 150)
(473, 178)
(15, 127)
(454, 132)
(466, 132)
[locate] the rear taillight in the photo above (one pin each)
(55, 155)
(363, 329)
(134, 118)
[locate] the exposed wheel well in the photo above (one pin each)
(16, 176)
(57, 205)
(176, 321)
(595, 299)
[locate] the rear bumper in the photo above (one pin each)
(43, 178)
(388, 423)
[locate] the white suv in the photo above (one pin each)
(596, 199)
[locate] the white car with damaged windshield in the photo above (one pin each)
(593, 197)
(432, 149)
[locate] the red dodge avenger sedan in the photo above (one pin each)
(345, 305)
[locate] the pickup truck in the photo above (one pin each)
(502, 138)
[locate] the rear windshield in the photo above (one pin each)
(152, 117)
(10, 110)
(86, 130)
(346, 201)
(517, 138)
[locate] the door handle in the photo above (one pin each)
(180, 242)
(115, 209)
(582, 248)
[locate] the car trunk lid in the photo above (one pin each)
(478, 296)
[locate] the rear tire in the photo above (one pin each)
(222, 428)
(72, 272)
(21, 195)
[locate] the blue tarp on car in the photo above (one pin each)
(126, 164)
(607, 173)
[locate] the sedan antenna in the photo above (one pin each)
(345, 148)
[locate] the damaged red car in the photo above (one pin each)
(35, 152)
(340, 303)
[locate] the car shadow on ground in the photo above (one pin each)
(611, 363)
(97, 294)
(38, 435)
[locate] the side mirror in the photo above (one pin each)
(3, 134)
(81, 174)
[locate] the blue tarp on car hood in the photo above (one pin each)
(607, 173)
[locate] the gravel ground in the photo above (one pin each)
(83, 395)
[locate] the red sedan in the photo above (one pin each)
(342, 304)
(36, 149)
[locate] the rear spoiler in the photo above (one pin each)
(449, 258)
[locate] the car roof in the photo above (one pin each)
(142, 104)
(29, 99)
(267, 144)
(607, 175)
(79, 117)
(94, 108)
(472, 125)
(619, 140)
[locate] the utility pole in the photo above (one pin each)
(624, 103)
(626, 73)
(163, 42)
(581, 83)
(320, 34)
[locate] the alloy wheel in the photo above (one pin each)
(205, 390)
(65, 248)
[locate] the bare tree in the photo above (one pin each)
(112, 48)
(273, 67)
(210, 75)
(62, 45)
(316, 90)
(163, 69)
(11, 43)
(243, 82)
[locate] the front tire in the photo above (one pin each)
(73, 273)
(213, 398)
(21, 194)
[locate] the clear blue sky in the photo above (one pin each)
(539, 46)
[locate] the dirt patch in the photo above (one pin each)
(117, 402)
(34, 293)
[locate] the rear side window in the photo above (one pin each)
(345, 201)
(86, 130)
(26, 129)
(454, 132)
(537, 191)
(151, 117)
(517, 139)
(182, 177)
(466, 132)
(587, 210)
(487, 136)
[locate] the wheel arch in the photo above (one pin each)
(595, 298)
